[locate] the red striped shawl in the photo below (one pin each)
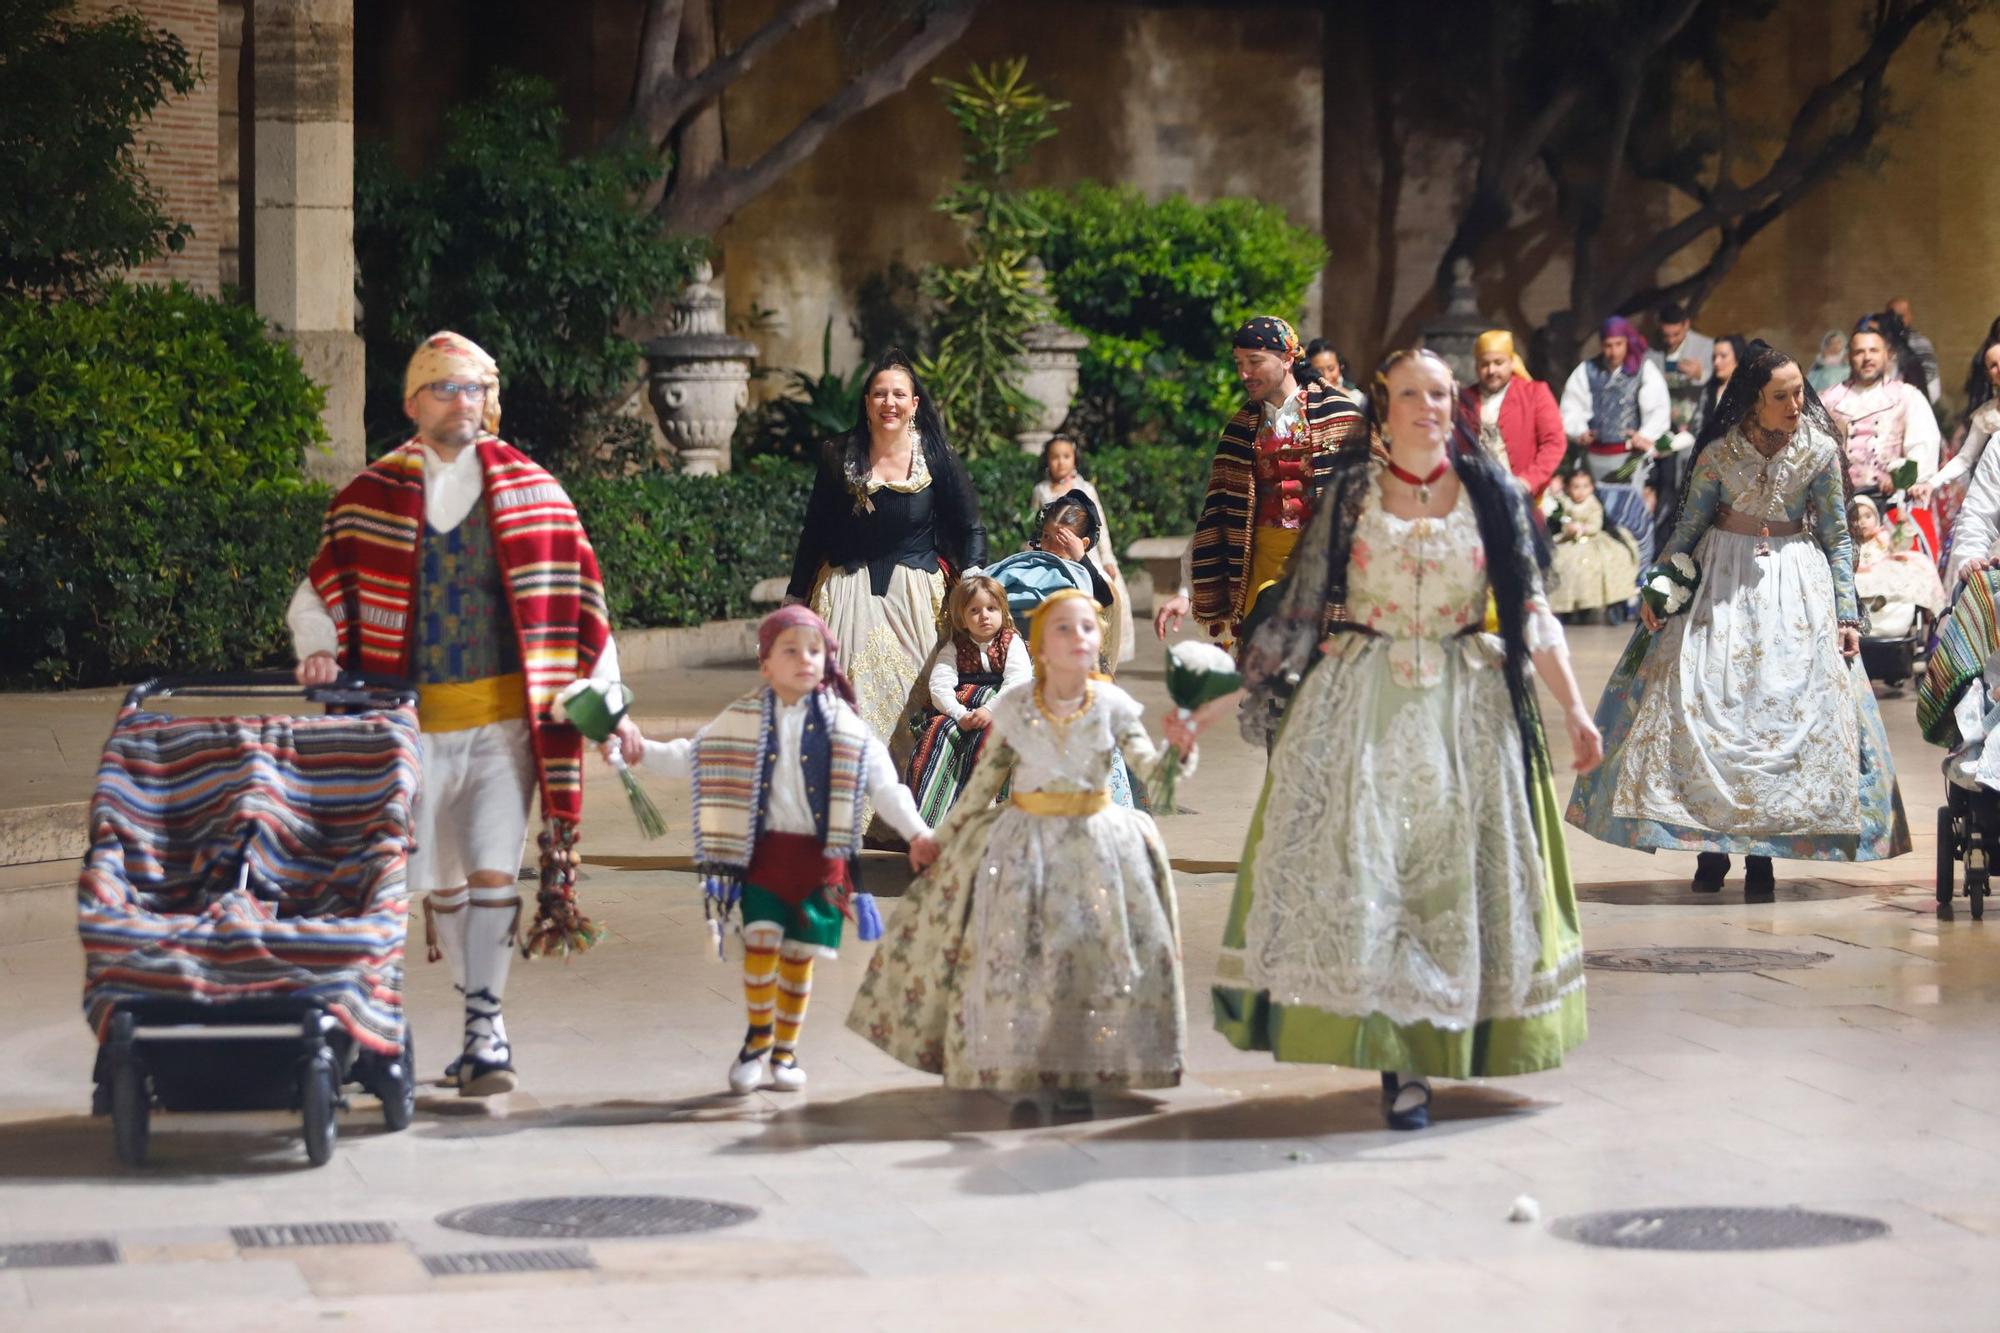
(366, 573)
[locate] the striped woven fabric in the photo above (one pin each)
(1220, 559)
(251, 858)
(1968, 636)
(366, 572)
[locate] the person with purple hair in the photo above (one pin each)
(1616, 404)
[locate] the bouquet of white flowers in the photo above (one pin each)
(1197, 673)
(595, 708)
(1669, 586)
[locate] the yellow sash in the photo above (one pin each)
(1061, 804)
(462, 705)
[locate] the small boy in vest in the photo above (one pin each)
(783, 779)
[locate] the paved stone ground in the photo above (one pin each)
(1867, 1083)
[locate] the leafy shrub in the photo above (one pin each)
(986, 307)
(535, 257)
(103, 581)
(681, 550)
(811, 409)
(152, 386)
(1159, 288)
(72, 96)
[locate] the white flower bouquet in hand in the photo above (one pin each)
(1669, 586)
(1197, 673)
(595, 708)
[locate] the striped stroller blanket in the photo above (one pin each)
(243, 859)
(1967, 637)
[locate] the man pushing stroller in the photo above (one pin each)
(459, 564)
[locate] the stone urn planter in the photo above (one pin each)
(698, 379)
(1452, 334)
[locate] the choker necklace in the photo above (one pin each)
(1423, 484)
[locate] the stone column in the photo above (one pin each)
(302, 178)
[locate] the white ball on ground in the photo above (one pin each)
(1525, 1209)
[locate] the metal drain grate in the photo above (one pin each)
(597, 1217)
(476, 1262)
(58, 1254)
(315, 1233)
(1700, 960)
(1718, 1229)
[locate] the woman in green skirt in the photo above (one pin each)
(1404, 902)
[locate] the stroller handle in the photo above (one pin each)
(349, 689)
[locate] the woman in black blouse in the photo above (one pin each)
(890, 509)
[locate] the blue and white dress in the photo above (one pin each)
(1739, 727)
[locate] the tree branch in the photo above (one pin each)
(658, 40)
(1806, 159)
(722, 194)
(675, 100)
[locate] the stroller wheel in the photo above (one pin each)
(131, 1109)
(1947, 858)
(318, 1093)
(398, 1085)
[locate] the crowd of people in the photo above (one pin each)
(1387, 573)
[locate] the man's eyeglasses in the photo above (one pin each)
(446, 390)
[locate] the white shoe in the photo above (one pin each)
(786, 1076)
(746, 1076)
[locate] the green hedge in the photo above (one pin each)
(682, 550)
(152, 386)
(102, 582)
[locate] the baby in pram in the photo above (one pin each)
(1892, 579)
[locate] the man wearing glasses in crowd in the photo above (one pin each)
(457, 563)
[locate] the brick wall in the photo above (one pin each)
(177, 148)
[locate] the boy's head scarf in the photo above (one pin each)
(451, 356)
(800, 617)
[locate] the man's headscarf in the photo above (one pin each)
(453, 356)
(1499, 342)
(1268, 333)
(801, 617)
(1635, 343)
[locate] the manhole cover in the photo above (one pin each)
(476, 1262)
(1669, 892)
(288, 1234)
(57, 1254)
(596, 1217)
(1700, 960)
(1717, 1229)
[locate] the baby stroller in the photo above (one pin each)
(1894, 646)
(243, 907)
(1958, 707)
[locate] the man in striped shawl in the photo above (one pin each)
(1270, 467)
(457, 563)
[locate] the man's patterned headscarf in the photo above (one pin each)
(452, 356)
(1268, 333)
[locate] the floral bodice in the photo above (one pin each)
(1418, 582)
(1802, 483)
(1030, 752)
